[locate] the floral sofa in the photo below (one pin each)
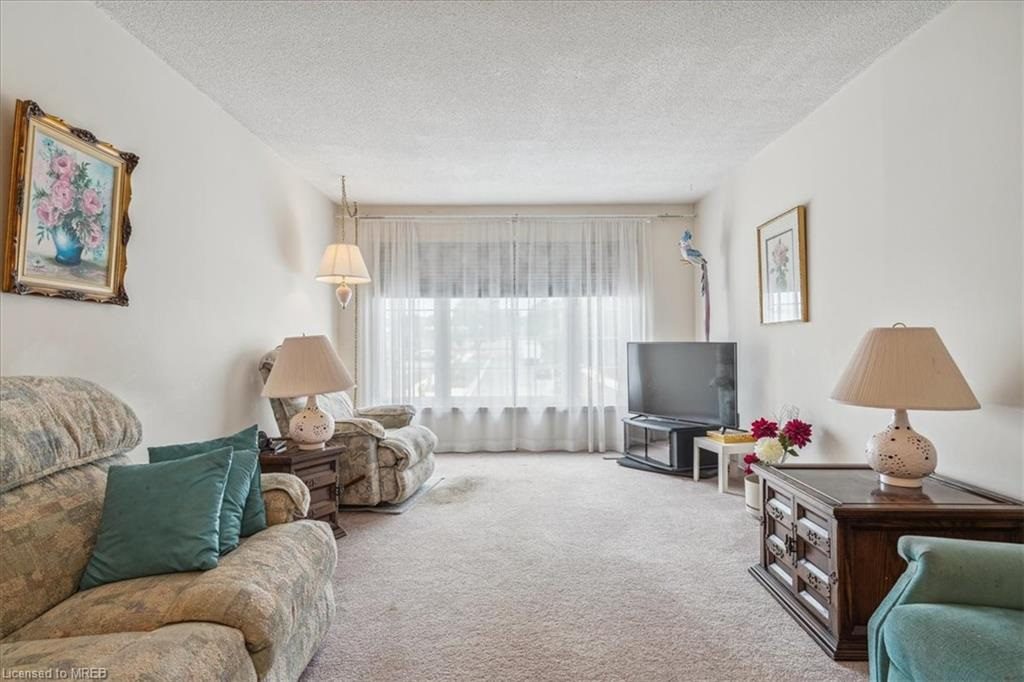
(259, 615)
(387, 456)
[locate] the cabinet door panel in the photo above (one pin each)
(813, 601)
(319, 479)
(307, 471)
(322, 508)
(814, 564)
(812, 531)
(812, 555)
(783, 574)
(778, 505)
(780, 547)
(816, 579)
(776, 549)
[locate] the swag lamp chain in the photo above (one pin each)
(347, 211)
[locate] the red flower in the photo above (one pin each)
(762, 428)
(749, 460)
(797, 432)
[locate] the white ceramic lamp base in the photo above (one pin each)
(312, 427)
(900, 455)
(344, 294)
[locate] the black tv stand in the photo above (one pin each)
(665, 446)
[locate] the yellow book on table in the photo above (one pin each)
(730, 436)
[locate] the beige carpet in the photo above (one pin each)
(560, 567)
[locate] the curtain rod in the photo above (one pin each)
(517, 216)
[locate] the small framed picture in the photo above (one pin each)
(782, 268)
(67, 224)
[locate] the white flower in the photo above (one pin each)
(769, 450)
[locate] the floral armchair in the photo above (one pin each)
(387, 456)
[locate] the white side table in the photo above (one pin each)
(726, 451)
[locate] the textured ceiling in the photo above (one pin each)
(519, 102)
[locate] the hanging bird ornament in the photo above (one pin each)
(692, 256)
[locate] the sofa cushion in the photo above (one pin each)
(253, 518)
(160, 518)
(244, 467)
(262, 589)
(406, 446)
(955, 642)
(57, 516)
(48, 424)
(188, 651)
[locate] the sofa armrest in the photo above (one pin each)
(948, 571)
(285, 496)
(347, 428)
(389, 416)
(952, 571)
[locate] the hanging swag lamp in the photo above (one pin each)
(342, 263)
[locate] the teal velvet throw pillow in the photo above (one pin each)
(246, 496)
(160, 518)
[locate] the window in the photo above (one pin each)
(502, 316)
(479, 352)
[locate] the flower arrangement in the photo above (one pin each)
(68, 198)
(773, 444)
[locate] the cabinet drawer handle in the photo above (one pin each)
(790, 544)
(775, 512)
(815, 535)
(819, 584)
(818, 541)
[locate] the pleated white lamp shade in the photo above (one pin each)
(343, 263)
(305, 366)
(906, 368)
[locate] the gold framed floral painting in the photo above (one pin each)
(782, 267)
(67, 224)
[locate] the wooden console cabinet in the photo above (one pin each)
(829, 534)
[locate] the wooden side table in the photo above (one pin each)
(829, 536)
(318, 469)
(725, 452)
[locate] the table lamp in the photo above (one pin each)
(308, 366)
(343, 264)
(903, 368)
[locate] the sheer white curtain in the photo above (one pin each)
(506, 334)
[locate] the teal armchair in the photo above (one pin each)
(957, 613)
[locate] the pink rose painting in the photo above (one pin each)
(71, 196)
(69, 229)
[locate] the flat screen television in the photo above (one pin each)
(693, 382)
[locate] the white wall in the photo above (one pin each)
(225, 243)
(912, 178)
(671, 306)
